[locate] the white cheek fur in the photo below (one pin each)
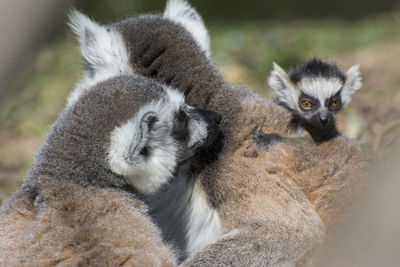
(147, 174)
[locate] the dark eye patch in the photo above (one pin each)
(180, 129)
(335, 102)
(310, 99)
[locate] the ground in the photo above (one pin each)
(244, 54)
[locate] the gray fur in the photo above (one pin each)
(76, 147)
(71, 198)
(151, 43)
(170, 206)
(165, 49)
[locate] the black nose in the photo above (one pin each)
(324, 121)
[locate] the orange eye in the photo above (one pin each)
(306, 104)
(335, 104)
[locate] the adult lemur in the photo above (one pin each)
(266, 207)
(314, 92)
(81, 202)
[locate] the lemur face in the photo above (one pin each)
(189, 128)
(147, 149)
(319, 109)
(315, 91)
(194, 128)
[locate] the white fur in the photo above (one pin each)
(353, 83)
(181, 12)
(320, 88)
(197, 127)
(102, 48)
(284, 90)
(147, 174)
(204, 226)
(198, 132)
(175, 97)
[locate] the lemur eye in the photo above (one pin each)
(335, 103)
(306, 104)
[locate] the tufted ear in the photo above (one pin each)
(182, 13)
(103, 49)
(352, 84)
(284, 91)
(138, 147)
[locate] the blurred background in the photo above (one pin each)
(40, 62)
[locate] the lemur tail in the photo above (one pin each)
(182, 13)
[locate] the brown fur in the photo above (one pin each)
(285, 192)
(68, 225)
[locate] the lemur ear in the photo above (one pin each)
(279, 81)
(138, 145)
(103, 49)
(352, 84)
(181, 12)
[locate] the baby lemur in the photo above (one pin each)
(313, 92)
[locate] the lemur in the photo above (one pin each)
(314, 92)
(268, 208)
(271, 208)
(81, 202)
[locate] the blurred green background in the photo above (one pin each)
(247, 36)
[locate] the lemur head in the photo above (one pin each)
(106, 49)
(164, 133)
(315, 91)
